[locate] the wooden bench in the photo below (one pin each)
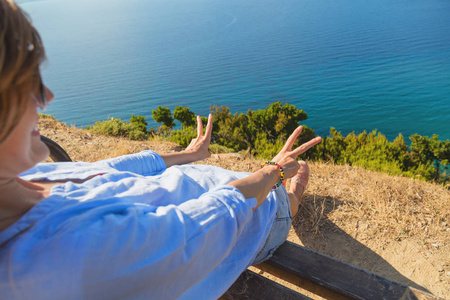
(319, 274)
(57, 153)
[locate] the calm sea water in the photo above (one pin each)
(353, 65)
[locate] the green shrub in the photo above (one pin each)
(216, 149)
(183, 137)
(163, 115)
(46, 116)
(265, 149)
(140, 123)
(427, 159)
(118, 128)
(184, 116)
(431, 152)
(264, 132)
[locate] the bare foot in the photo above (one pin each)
(298, 186)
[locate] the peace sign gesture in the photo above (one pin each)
(199, 145)
(287, 158)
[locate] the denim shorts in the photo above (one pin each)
(280, 227)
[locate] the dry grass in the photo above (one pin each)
(82, 145)
(394, 226)
(375, 204)
(345, 210)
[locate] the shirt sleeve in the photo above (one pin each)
(133, 251)
(143, 163)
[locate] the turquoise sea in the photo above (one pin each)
(353, 65)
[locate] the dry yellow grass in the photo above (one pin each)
(394, 226)
(383, 205)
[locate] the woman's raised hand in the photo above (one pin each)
(199, 145)
(287, 158)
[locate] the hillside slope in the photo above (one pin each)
(393, 226)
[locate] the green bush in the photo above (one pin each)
(264, 132)
(265, 149)
(184, 116)
(216, 149)
(427, 159)
(163, 115)
(183, 137)
(431, 152)
(118, 128)
(46, 116)
(230, 130)
(140, 123)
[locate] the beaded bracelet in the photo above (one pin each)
(281, 171)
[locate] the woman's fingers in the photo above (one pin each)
(199, 126)
(302, 148)
(209, 127)
(290, 166)
(292, 138)
(191, 143)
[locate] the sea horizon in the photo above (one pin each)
(353, 66)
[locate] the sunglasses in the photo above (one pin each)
(42, 102)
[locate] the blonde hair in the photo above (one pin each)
(21, 52)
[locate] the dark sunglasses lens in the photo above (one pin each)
(43, 96)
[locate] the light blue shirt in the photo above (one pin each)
(138, 231)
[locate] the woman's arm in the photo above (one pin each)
(150, 162)
(197, 149)
(126, 250)
(259, 184)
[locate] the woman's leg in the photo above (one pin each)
(298, 186)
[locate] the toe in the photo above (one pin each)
(303, 173)
(300, 180)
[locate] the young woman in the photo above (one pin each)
(141, 226)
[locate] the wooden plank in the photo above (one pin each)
(253, 286)
(334, 275)
(301, 282)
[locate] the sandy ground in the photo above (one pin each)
(396, 227)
